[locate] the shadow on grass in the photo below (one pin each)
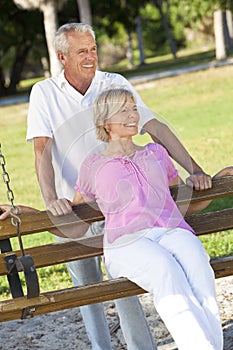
(168, 64)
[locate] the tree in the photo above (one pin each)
(229, 25)
(172, 43)
(111, 16)
(19, 32)
(220, 47)
(49, 8)
(140, 39)
(196, 11)
(223, 27)
(84, 9)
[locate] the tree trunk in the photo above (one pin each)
(167, 29)
(229, 22)
(21, 55)
(220, 49)
(49, 9)
(2, 83)
(129, 52)
(84, 9)
(140, 39)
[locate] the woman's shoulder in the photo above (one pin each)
(91, 158)
(155, 148)
(94, 161)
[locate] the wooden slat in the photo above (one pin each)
(69, 298)
(222, 267)
(212, 222)
(90, 294)
(222, 187)
(43, 221)
(57, 253)
(52, 254)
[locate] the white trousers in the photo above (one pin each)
(174, 266)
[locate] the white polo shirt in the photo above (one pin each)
(58, 111)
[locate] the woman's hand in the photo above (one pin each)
(4, 211)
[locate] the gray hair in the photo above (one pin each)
(60, 41)
(107, 104)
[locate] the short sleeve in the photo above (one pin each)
(172, 172)
(85, 181)
(38, 122)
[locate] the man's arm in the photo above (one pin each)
(189, 209)
(46, 177)
(161, 133)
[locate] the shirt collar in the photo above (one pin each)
(98, 78)
(62, 80)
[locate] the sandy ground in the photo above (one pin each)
(65, 329)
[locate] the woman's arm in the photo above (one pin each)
(5, 210)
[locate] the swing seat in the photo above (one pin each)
(88, 247)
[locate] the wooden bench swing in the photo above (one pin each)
(29, 260)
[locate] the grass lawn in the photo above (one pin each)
(197, 106)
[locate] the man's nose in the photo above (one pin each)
(89, 55)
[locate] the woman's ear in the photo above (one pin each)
(107, 128)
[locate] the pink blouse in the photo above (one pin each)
(132, 193)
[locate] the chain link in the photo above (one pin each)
(15, 220)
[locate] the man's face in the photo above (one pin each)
(81, 62)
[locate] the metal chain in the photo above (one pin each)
(15, 220)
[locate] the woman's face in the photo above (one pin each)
(124, 124)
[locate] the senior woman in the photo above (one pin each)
(146, 238)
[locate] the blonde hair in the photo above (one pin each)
(107, 104)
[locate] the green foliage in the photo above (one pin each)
(19, 31)
(193, 12)
(218, 244)
(154, 38)
(123, 12)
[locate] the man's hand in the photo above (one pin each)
(199, 181)
(60, 206)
